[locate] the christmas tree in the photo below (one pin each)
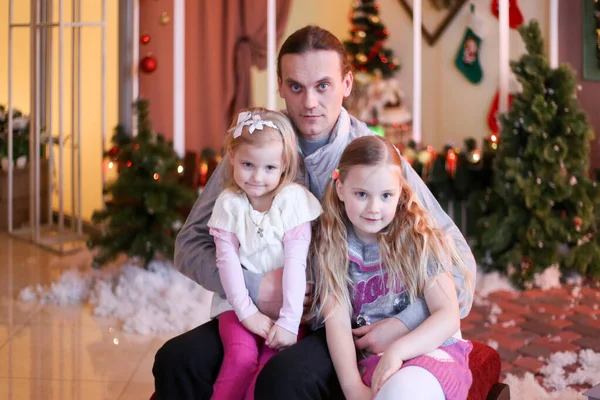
(365, 48)
(144, 205)
(542, 210)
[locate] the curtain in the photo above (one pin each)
(224, 39)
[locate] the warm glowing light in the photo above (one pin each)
(156, 176)
(110, 165)
(180, 169)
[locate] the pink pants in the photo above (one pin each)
(245, 356)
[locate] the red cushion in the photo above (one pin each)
(485, 365)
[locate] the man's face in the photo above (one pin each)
(313, 88)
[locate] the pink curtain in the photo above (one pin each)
(224, 39)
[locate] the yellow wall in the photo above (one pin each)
(453, 108)
(91, 149)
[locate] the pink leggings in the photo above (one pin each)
(245, 356)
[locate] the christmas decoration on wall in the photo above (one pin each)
(164, 18)
(145, 39)
(542, 206)
(468, 56)
(148, 64)
(443, 4)
(143, 205)
(515, 17)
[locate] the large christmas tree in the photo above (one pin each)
(543, 209)
(365, 48)
(144, 205)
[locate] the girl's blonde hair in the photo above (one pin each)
(410, 246)
(284, 133)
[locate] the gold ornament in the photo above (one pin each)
(374, 19)
(424, 157)
(164, 18)
(361, 58)
(362, 34)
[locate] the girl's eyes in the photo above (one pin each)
(361, 195)
(271, 167)
(247, 165)
(386, 196)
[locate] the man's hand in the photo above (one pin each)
(376, 338)
(280, 338)
(270, 295)
(259, 324)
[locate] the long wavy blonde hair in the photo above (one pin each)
(410, 246)
(284, 133)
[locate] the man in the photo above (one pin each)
(314, 77)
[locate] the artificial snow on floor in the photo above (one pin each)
(156, 300)
(557, 379)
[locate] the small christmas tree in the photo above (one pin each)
(543, 209)
(144, 204)
(365, 48)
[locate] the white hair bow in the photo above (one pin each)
(245, 118)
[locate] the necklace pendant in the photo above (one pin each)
(260, 232)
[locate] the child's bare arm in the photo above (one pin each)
(342, 351)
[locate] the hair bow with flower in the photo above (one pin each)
(254, 122)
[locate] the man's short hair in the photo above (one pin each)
(311, 38)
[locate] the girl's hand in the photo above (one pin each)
(280, 338)
(388, 365)
(259, 324)
(361, 392)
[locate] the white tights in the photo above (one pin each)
(411, 383)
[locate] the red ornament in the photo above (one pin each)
(451, 161)
(148, 64)
(145, 39)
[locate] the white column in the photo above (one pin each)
(504, 56)
(553, 33)
(271, 63)
(417, 71)
(135, 75)
(179, 77)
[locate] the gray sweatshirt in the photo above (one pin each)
(195, 249)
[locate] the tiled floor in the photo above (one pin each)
(50, 352)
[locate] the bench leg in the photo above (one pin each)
(500, 391)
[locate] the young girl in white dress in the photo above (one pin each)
(261, 222)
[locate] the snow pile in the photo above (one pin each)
(557, 379)
(491, 282)
(548, 279)
(159, 299)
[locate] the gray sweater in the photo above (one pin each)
(195, 249)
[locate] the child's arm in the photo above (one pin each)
(440, 295)
(295, 244)
(341, 348)
(232, 278)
